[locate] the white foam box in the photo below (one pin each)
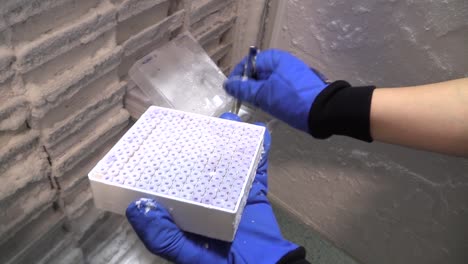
(201, 168)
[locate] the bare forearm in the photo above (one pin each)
(432, 117)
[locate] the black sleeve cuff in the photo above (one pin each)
(296, 256)
(342, 110)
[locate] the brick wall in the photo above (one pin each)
(63, 78)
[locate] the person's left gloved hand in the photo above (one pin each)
(258, 238)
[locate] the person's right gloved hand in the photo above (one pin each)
(284, 86)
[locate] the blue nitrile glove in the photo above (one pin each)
(258, 238)
(284, 86)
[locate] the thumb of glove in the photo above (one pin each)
(154, 226)
(244, 90)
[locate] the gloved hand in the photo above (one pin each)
(284, 86)
(258, 238)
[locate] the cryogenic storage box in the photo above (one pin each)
(200, 168)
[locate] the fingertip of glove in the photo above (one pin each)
(231, 84)
(131, 209)
(230, 116)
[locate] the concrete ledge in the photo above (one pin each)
(35, 240)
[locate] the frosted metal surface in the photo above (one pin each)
(203, 161)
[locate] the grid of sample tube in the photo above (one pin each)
(192, 157)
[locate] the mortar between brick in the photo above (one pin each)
(52, 45)
(79, 172)
(6, 60)
(220, 51)
(78, 120)
(200, 12)
(16, 11)
(67, 87)
(74, 203)
(215, 31)
(13, 113)
(68, 64)
(51, 19)
(72, 103)
(143, 20)
(130, 8)
(88, 145)
(30, 169)
(17, 146)
(60, 149)
(153, 33)
(17, 209)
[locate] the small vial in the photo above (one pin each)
(129, 182)
(139, 169)
(123, 158)
(199, 191)
(135, 176)
(207, 200)
(118, 180)
(156, 181)
(141, 185)
(222, 196)
(165, 167)
(124, 174)
(149, 171)
(129, 166)
(230, 205)
(159, 174)
(151, 188)
(199, 167)
(238, 184)
(175, 169)
(114, 171)
(177, 185)
(145, 178)
(180, 178)
(166, 183)
(218, 203)
(195, 174)
(228, 181)
(134, 160)
(224, 187)
(118, 164)
(186, 196)
(188, 188)
(102, 170)
(173, 192)
(108, 179)
(110, 159)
